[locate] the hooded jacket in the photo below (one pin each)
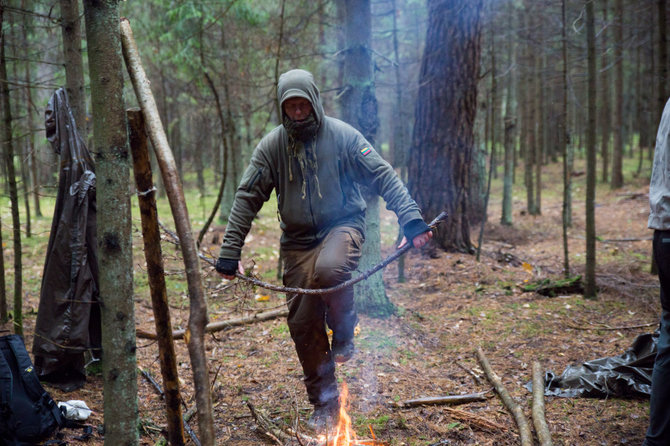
(345, 160)
(659, 186)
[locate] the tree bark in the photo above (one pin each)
(566, 211)
(617, 145)
(605, 93)
(359, 108)
(156, 273)
(662, 18)
(198, 305)
(590, 273)
(74, 65)
(443, 139)
(3, 291)
(508, 135)
(119, 363)
(8, 150)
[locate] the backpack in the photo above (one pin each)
(28, 414)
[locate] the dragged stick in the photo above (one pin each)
(222, 325)
(446, 399)
(514, 409)
(282, 289)
(539, 420)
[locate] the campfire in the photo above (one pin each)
(343, 434)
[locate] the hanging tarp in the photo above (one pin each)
(625, 375)
(68, 317)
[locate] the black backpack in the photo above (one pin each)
(28, 414)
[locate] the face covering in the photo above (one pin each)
(300, 134)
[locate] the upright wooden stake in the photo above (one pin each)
(197, 321)
(154, 256)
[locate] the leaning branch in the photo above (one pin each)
(512, 407)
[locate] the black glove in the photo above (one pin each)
(226, 267)
(414, 228)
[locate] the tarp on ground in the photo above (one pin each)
(625, 375)
(68, 317)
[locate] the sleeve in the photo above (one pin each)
(371, 170)
(254, 190)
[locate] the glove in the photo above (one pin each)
(414, 228)
(227, 267)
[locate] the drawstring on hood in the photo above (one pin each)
(300, 83)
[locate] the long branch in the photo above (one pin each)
(433, 224)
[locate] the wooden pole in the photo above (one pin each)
(539, 420)
(512, 407)
(154, 256)
(195, 336)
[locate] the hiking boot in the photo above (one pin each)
(325, 417)
(342, 350)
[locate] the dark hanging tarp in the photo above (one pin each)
(625, 375)
(68, 317)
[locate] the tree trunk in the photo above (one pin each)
(617, 146)
(590, 290)
(443, 139)
(119, 363)
(3, 290)
(8, 150)
(662, 17)
(359, 108)
(32, 158)
(154, 258)
(198, 306)
(508, 136)
(74, 65)
(605, 93)
(565, 145)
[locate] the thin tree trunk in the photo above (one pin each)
(31, 158)
(198, 305)
(8, 149)
(590, 290)
(3, 290)
(565, 144)
(508, 136)
(662, 18)
(154, 258)
(74, 65)
(114, 227)
(617, 146)
(605, 93)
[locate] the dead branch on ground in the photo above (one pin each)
(446, 399)
(512, 407)
(539, 420)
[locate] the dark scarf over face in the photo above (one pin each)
(300, 134)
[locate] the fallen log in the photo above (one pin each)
(222, 325)
(446, 399)
(512, 407)
(539, 420)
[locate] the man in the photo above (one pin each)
(316, 164)
(658, 433)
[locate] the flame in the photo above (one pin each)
(344, 434)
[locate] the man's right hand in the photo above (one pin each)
(228, 267)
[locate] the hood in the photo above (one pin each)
(300, 83)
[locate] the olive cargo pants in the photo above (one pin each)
(329, 263)
(658, 433)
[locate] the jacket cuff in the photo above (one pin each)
(414, 228)
(226, 266)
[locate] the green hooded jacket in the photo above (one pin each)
(310, 205)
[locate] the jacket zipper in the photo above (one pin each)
(255, 178)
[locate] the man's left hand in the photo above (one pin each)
(418, 241)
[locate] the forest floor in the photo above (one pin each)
(448, 307)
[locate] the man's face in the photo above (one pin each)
(297, 109)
